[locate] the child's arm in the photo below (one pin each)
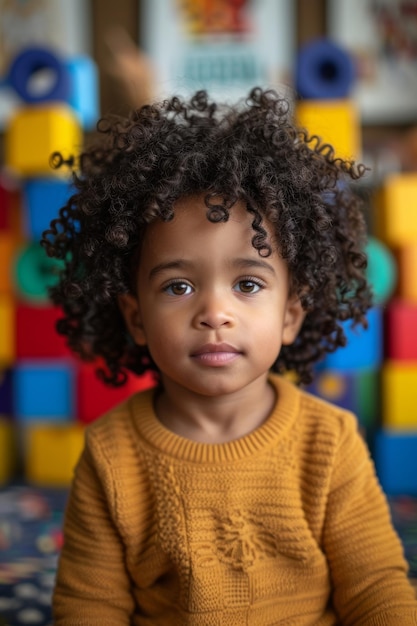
(93, 586)
(368, 569)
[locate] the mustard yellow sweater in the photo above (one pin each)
(284, 526)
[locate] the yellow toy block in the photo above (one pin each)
(52, 452)
(7, 249)
(35, 132)
(395, 210)
(406, 257)
(336, 122)
(399, 395)
(7, 331)
(8, 450)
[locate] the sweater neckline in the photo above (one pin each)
(158, 436)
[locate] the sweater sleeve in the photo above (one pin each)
(368, 569)
(92, 586)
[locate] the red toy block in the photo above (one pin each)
(4, 208)
(36, 336)
(94, 398)
(401, 330)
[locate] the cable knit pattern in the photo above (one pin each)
(287, 526)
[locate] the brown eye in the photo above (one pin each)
(178, 289)
(248, 286)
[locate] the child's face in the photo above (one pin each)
(212, 312)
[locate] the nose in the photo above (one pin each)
(213, 311)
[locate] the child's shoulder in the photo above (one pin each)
(317, 413)
(115, 426)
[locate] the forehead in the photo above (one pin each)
(191, 241)
(190, 225)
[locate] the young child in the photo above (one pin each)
(219, 247)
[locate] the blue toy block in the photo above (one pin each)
(42, 199)
(44, 390)
(364, 348)
(84, 94)
(396, 462)
(6, 392)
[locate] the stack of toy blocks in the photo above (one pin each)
(8, 456)
(324, 75)
(396, 444)
(350, 376)
(50, 395)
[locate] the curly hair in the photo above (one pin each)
(252, 152)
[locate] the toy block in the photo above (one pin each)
(95, 398)
(51, 453)
(6, 392)
(36, 334)
(401, 330)
(355, 390)
(381, 271)
(12, 218)
(84, 92)
(8, 450)
(44, 390)
(394, 210)
(7, 251)
(364, 347)
(35, 273)
(324, 70)
(399, 395)
(7, 331)
(34, 133)
(335, 121)
(42, 199)
(406, 257)
(4, 208)
(395, 457)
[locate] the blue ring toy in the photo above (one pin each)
(32, 60)
(324, 70)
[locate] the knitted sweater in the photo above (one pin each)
(286, 525)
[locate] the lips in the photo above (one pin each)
(216, 354)
(210, 348)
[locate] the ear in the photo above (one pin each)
(129, 308)
(293, 320)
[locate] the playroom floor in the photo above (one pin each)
(30, 539)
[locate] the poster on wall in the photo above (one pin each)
(224, 46)
(61, 25)
(382, 36)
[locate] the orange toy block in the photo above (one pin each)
(8, 450)
(395, 210)
(7, 249)
(7, 331)
(335, 121)
(406, 258)
(52, 452)
(35, 132)
(399, 395)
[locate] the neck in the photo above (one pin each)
(215, 419)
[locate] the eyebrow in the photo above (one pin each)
(255, 263)
(175, 264)
(182, 264)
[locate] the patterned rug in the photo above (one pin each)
(31, 537)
